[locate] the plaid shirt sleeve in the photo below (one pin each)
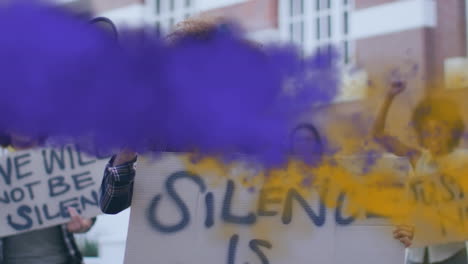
(117, 187)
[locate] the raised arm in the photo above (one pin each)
(391, 143)
(117, 184)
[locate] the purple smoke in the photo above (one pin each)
(63, 78)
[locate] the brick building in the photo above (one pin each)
(367, 32)
(431, 34)
(392, 34)
(428, 32)
(374, 36)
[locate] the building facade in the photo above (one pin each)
(426, 40)
(427, 33)
(318, 24)
(258, 17)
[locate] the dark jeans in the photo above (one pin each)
(459, 258)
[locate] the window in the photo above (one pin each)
(158, 28)
(291, 33)
(297, 32)
(170, 12)
(296, 28)
(171, 23)
(158, 7)
(171, 5)
(314, 24)
(345, 51)
(324, 20)
(345, 23)
(296, 7)
(301, 31)
(347, 43)
(322, 4)
(324, 28)
(318, 27)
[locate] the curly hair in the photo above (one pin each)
(440, 109)
(205, 29)
(193, 28)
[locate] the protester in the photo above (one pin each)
(119, 174)
(117, 184)
(438, 137)
(307, 145)
(53, 245)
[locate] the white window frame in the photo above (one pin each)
(309, 16)
(167, 19)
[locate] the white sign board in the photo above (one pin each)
(37, 186)
(180, 217)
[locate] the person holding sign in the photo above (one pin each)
(438, 137)
(307, 145)
(118, 181)
(117, 185)
(53, 245)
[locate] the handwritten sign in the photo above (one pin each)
(440, 205)
(37, 186)
(181, 217)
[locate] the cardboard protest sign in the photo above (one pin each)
(437, 192)
(180, 217)
(439, 205)
(37, 186)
